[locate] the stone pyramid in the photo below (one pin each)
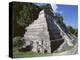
(37, 34)
(45, 35)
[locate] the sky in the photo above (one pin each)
(69, 13)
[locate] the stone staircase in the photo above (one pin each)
(54, 32)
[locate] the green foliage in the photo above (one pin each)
(27, 14)
(47, 7)
(60, 19)
(76, 32)
(71, 30)
(17, 42)
(23, 15)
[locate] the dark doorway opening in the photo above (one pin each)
(38, 51)
(45, 51)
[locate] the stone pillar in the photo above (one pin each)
(49, 47)
(34, 49)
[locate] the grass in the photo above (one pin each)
(18, 54)
(66, 49)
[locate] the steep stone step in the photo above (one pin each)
(32, 37)
(34, 30)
